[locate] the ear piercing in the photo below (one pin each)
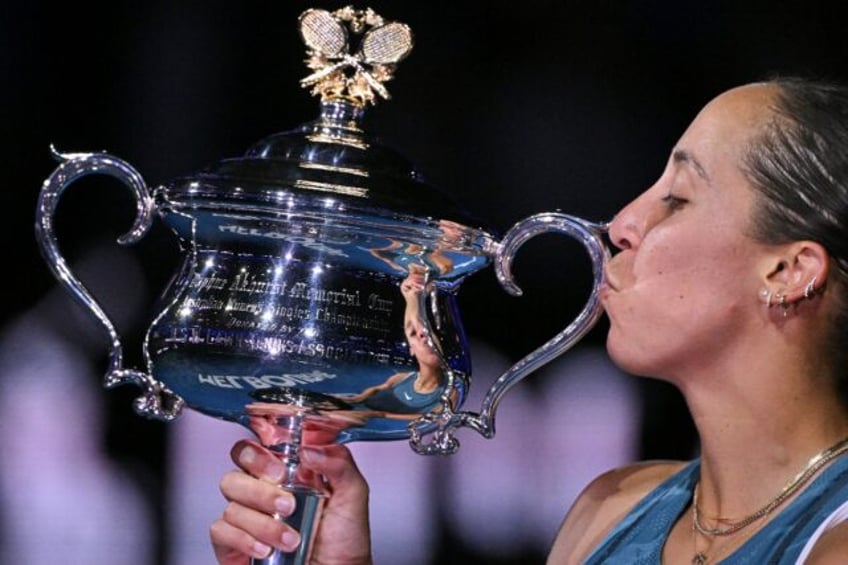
(770, 298)
(810, 289)
(765, 296)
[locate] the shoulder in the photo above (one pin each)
(831, 548)
(602, 504)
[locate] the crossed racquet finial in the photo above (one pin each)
(341, 72)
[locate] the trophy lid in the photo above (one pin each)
(330, 165)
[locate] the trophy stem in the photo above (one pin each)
(281, 427)
(309, 503)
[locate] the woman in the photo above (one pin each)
(732, 284)
(408, 394)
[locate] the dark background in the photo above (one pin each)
(514, 108)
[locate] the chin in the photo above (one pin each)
(627, 359)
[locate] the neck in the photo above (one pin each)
(428, 378)
(749, 449)
(720, 534)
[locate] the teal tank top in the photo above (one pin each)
(402, 398)
(638, 539)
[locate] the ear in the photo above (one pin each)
(798, 270)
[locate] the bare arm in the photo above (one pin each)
(372, 390)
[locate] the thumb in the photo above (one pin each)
(335, 462)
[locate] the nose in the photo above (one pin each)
(632, 222)
(622, 232)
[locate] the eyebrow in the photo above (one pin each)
(685, 157)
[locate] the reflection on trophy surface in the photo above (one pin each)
(408, 394)
(316, 300)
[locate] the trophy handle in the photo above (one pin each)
(156, 401)
(590, 234)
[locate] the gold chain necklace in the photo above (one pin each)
(813, 466)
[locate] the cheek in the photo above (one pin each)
(688, 267)
(666, 273)
(678, 291)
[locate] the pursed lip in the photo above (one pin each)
(609, 283)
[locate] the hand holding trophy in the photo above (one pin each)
(316, 301)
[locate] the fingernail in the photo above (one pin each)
(274, 471)
(290, 540)
(247, 455)
(261, 550)
(284, 505)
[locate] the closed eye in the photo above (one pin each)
(673, 202)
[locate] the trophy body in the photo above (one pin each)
(316, 300)
(255, 307)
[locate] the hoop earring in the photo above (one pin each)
(810, 289)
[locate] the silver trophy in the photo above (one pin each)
(316, 298)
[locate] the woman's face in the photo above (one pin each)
(419, 346)
(684, 287)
